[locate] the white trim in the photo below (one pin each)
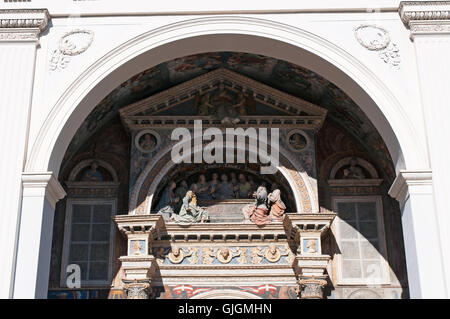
(385, 276)
(67, 239)
(412, 181)
(42, 184)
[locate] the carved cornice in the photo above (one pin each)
(23, 24)
(411, 182)
(426, 17)
(42, 184)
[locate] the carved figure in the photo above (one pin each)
(166, 204)
(190, 212)
(224, 189)
(354, 171)
(92, 174)
(277, 207)
(244, 188)
(311, 246)
(272, 253)
(224, 255)
(137, 247)
(203, 189)
(176, 256)
(258, 213)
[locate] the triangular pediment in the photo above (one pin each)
(221, 94)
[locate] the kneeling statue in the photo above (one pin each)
(190, 212)
(258, 213)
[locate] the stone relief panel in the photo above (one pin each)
(71, 44)
(213, 255)
(375, 38)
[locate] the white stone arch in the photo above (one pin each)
(309, 185)
(227, 33)
(225, 294)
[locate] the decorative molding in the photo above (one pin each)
(375, 38)
(426, 17)
(72, 43)
(22, 25)
(42, 184)
(407, 182)
(155, 104)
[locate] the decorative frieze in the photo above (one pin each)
(426, 17)
(22, 25)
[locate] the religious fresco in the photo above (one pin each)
(289, 78)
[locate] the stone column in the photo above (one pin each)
(19, 33)
(414, 191)
(41, 191)
(429, 22)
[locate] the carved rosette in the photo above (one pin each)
(138, 290)
(311, 288)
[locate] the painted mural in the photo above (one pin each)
(292, 79)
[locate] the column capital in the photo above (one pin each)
(42, 184)
(411, 182)
(425, 17)
(22, 25)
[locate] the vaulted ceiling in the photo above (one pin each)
(286, 77)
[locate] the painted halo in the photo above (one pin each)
(297, 140)
(147, 141)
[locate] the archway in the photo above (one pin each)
(233, 34)
(240, 34)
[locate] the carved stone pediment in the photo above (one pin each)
(222, 97)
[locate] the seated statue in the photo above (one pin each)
(167, 202)
(213, 184)
(180, 191)
(190, 212)
(224, 189)
(277, 206)
(258, 213)
(244, 188)
(203, 189)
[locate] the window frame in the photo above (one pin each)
(67, 240)
(385, 272)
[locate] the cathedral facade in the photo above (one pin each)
(228, 152)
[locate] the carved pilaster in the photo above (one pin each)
(138, 289)
(311, 288)
(426, 17)
(22, 25)
(310, 265)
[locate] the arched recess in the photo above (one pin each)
(225, 33)
(300, 183)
